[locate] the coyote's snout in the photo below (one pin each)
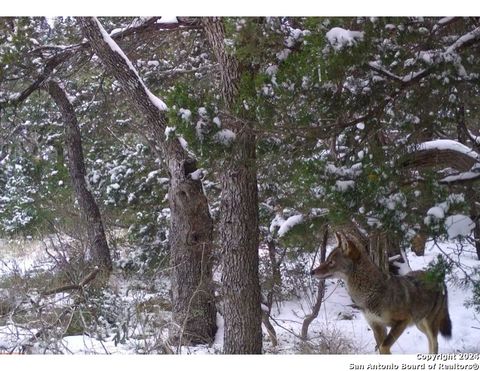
(386, 300)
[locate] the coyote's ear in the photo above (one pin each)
(351, 250)
(338, 237)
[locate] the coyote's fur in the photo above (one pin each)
(386, 300)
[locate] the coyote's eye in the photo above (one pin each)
(331, 263)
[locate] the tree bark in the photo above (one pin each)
(462, 133)
(191, 225)
(239, 231)
(99, 250)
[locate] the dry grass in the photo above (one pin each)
(330, 342)
(17, 248)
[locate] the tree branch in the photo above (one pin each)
(87, 279)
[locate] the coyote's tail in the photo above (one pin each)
(445, 322)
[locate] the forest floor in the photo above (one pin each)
(339, 328)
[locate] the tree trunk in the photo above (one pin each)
(239, 231)
(99, 250)
(462, 133)
(191, 226)
(239, 240)
(377, 250)
(381, 247)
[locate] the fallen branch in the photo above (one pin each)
(88, 278)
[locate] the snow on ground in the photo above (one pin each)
(465, 324)
(22, 256)
(337, 319)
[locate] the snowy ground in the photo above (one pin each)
(337, 321)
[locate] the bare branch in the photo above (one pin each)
(88, 278)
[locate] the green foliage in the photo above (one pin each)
(475, 302)
(331, 131)
(438, 270)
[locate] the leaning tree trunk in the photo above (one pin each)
(98, 245)
(191, 226)
(239, 231)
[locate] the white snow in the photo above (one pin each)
(197, 174)
(338, 320)
(185, 114)
(473, 173)
(114, 46)
(202, 111)
(283, 54)
(152, 175)
(472, 35)
(344, 185)
(340, 38)
(353, 171)
(225, 136)
(445, 20)
(289, 224)
(276, 223)
(437, 212)
(168, 19)
(447, 144)
(468, 175)
(169, 131)
(271, 70)
(183, 143)
(114, 186)
(458, 225)
(131, 198)
(153, 63)
(216, 121)
(284, 225)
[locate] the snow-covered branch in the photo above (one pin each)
(59, 54)
(115, 48)
(465, 40)
(433, 58)
(447, 153)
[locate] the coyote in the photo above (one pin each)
(386, 300)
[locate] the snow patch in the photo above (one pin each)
(169, 132)
(225, 137)
(168, 19)
(344, 185)
(289, 224)
(340, 38)
(183, 143)
(216, 121)
(458, 225)
(197, 174)
(447, 144)
(185, 114)
(283, 54)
